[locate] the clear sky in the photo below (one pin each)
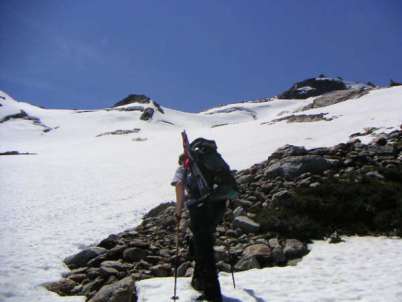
(188, 54)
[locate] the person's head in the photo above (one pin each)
(181, 159)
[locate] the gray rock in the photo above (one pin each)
(62, 287)
(114, 264)
(247, 263)
(121, 291)
(274, 243)
(375, 174)
(257, 250)
(83, 257)
(161, 270)
(282, 198)
(182, 269)
(134, 254)
(110, 242)
(294, 166)
(244, 179)
(147, 114)
(242, 203)
(220, 253)
(288, 150)
(246, 224)
(107, 271)
(93, 286)
(238, 211)
(278, 257)
(294, 249)
(223, 267)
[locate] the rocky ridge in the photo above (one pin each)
(294, 196)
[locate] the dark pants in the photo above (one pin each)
(203, 222)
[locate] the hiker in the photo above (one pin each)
(204, 217)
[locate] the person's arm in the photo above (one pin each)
(179, 199)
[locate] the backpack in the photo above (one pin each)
(221, 182)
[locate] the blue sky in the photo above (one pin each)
(190, 55)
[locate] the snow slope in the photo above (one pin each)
(79, 188)
(360, 269)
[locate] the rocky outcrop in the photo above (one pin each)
(294, 196)
(301, 118)
(248, 111)
(25, 116)
(147, 114)
(313, 87)
(137, 99)
(392, 83)
(133, 98)
(16, 153)
(335, 97)
(120, 132)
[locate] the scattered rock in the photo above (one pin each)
(335, 238)
(247, 264)
(82, 258)
(294, 166)
(294, 249)
(120, 132)
(147, 114)
(120, 291)
(134, 254)
(62, 287)
(246, 224)
(301, 118)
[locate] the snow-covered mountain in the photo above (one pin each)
(95, 172)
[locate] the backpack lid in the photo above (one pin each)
(202, 145)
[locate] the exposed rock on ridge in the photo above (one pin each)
(313, 87)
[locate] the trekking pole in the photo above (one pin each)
(231, 265)
(175, 297)
(230, 257)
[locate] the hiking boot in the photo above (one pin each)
(204, 297)
(197, 284)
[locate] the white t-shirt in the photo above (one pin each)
(178, 176)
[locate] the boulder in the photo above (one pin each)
(161, 270)
(110, 242)
(134, 254)
(283, 199)
(182, 269)
(62, 287)
(83, 257)
(246, 224)
(257, 250)
(288, 150)
(294, 166)
(294, 249)
(121, 291)
(278, 257)
(247, 263)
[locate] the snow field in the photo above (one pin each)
(365, 269)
